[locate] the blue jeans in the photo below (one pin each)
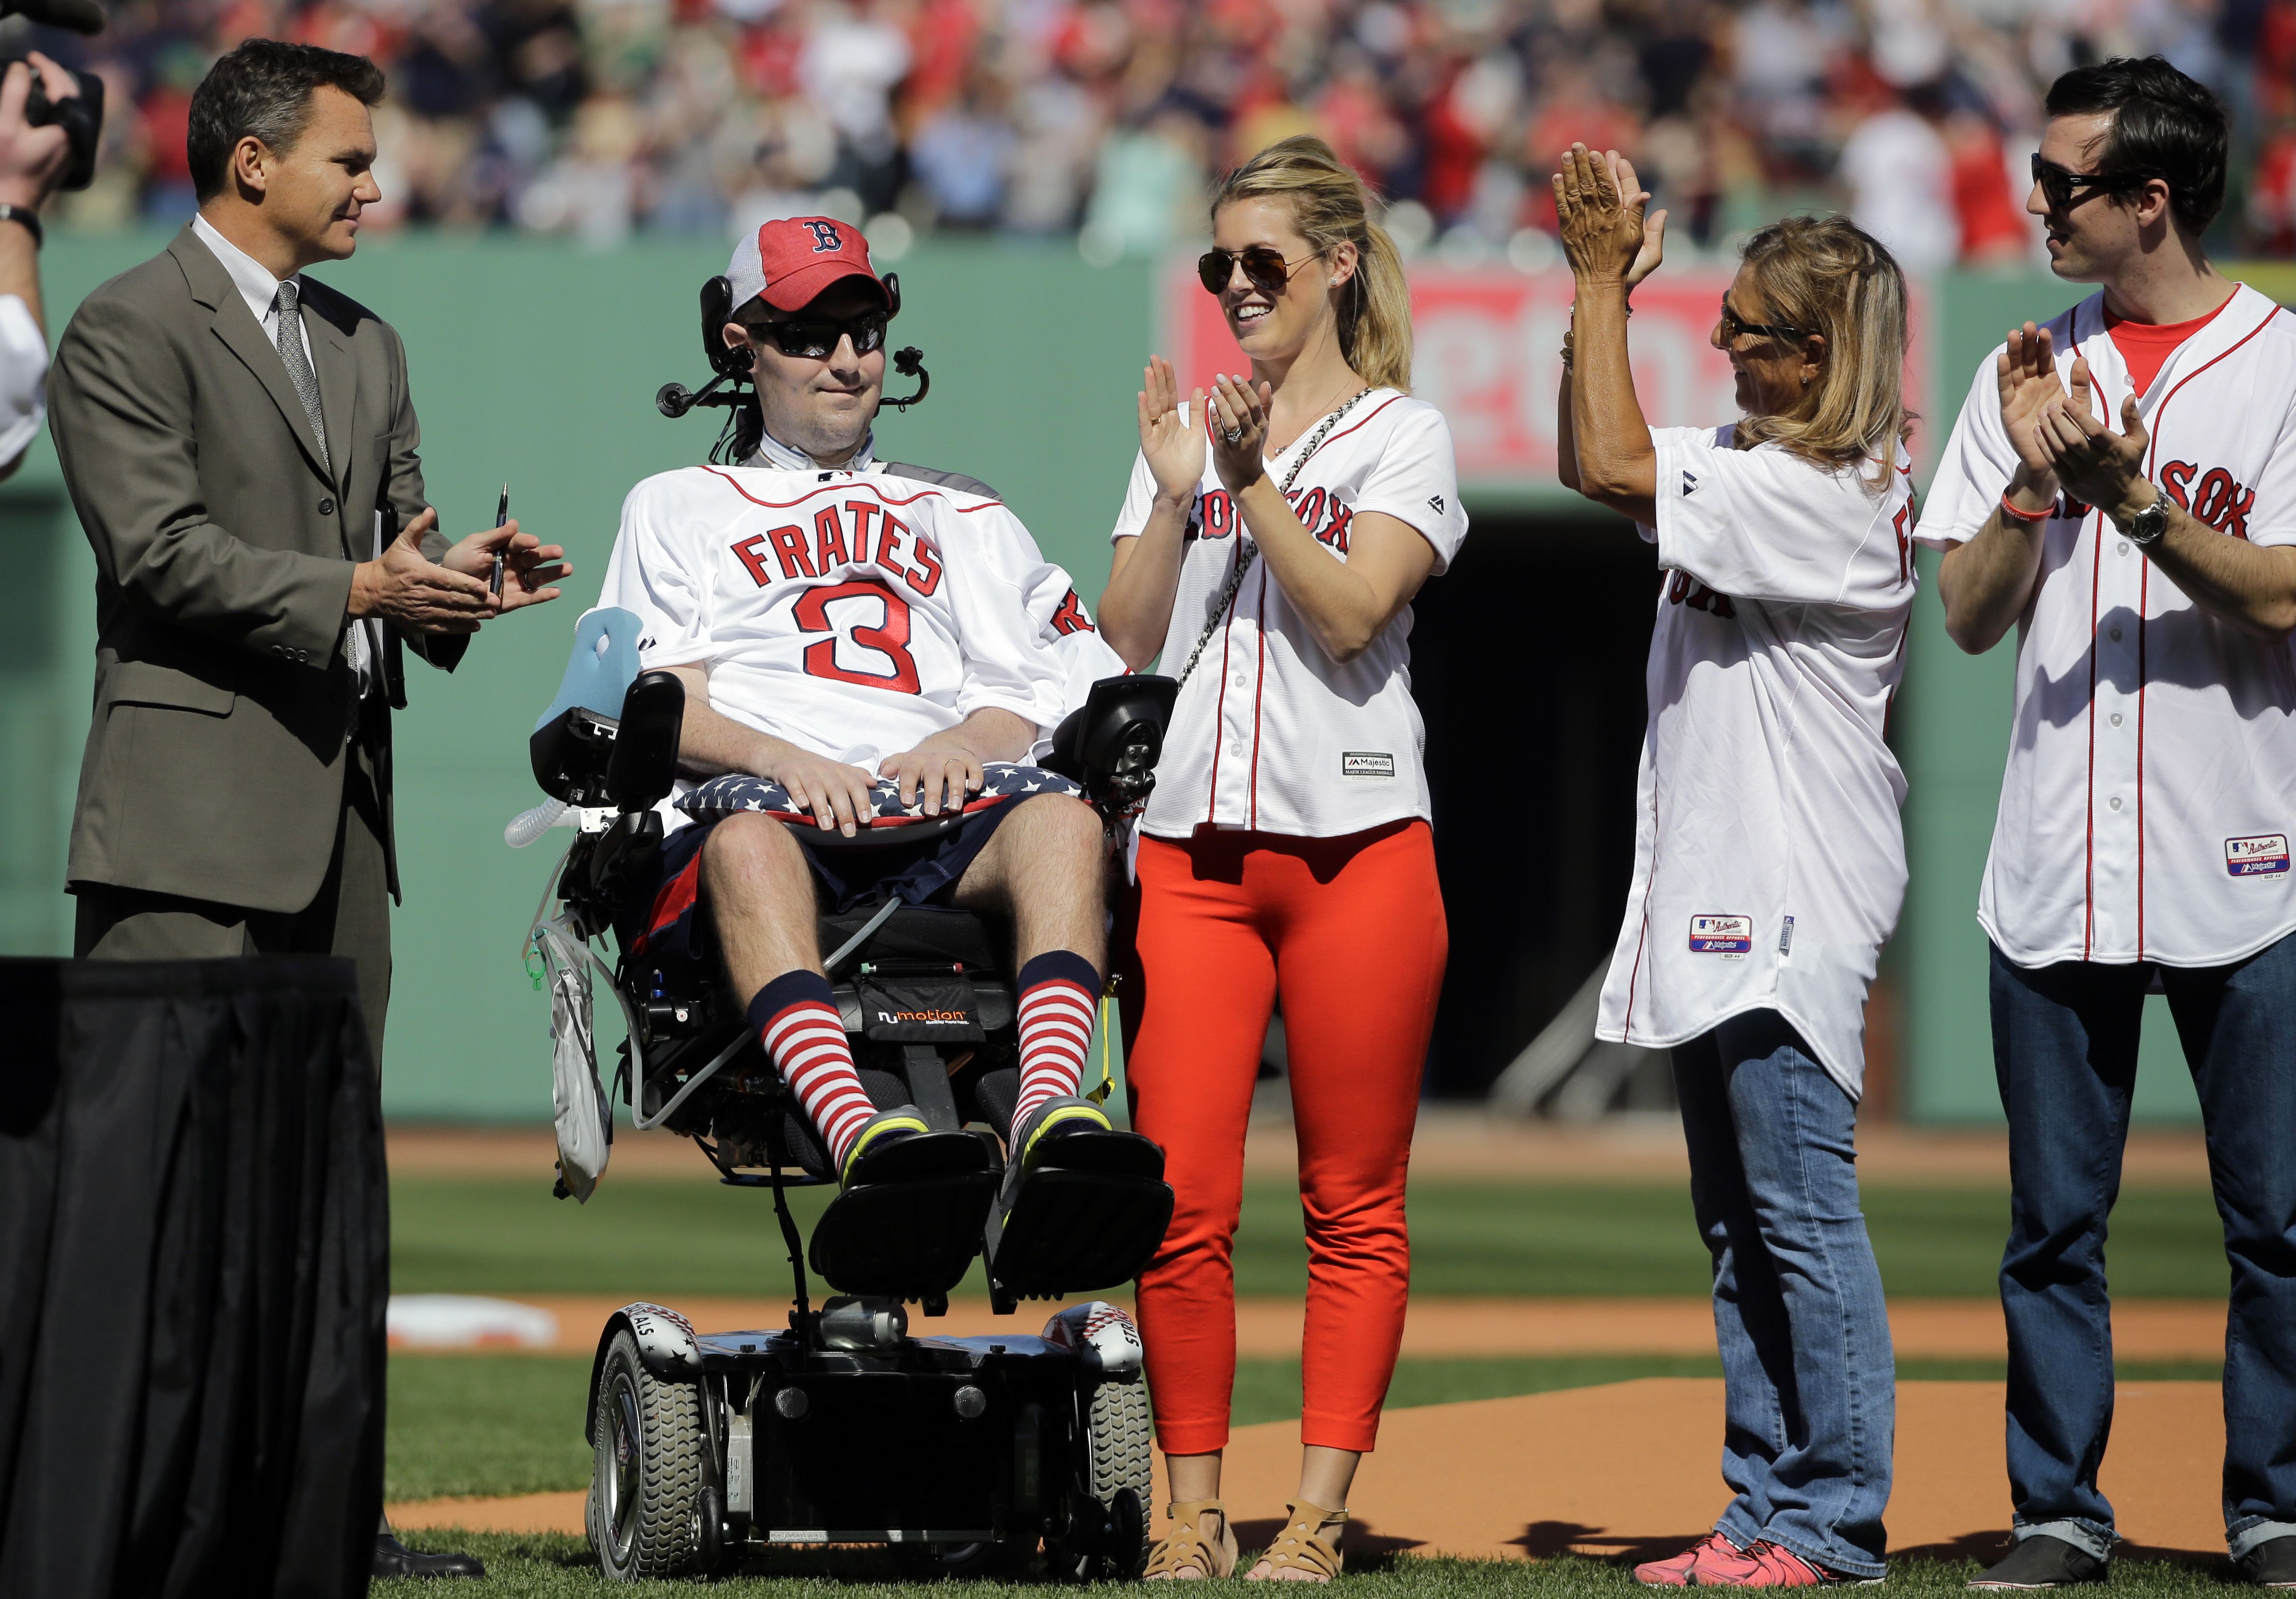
(2065, 1051)
(1810, 1385)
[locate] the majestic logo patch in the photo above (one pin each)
(825, 239)
(1366, 764)
(1436, 500)
(1689, 484)
(1730, 937)
(2266, 855)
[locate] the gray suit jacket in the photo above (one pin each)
(224, 705)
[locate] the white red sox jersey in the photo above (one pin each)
(2150, 792)
(1270, 734)
(852, 614)
(1770, 863)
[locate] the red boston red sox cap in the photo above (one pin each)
(791, 260)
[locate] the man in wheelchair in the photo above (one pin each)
(869, 652)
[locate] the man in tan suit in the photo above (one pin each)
(240, 445)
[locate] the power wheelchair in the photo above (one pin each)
(963, 1455)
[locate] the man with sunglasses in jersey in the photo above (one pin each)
(2121, 487)
(840, 623)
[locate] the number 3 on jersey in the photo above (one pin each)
(873, 618)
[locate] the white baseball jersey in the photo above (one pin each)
(1769, 865)
(2150, 788)
(1270, 734)
(853, 614)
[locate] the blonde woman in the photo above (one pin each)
(1268, 550)
(1769, 865)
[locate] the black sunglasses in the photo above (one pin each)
(1265, 269)
(2064, 188)
(1732, 326)
(816, 337)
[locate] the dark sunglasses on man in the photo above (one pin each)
(814, 338)
(1265, 269)
(2064, 188)
(1732, 327)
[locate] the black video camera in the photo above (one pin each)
(80, 116)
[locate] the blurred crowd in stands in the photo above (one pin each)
(1100, 120)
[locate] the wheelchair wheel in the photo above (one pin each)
(646, 1478)
(1118, 1458)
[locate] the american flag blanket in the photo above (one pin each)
(1002, 780)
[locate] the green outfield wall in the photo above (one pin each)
(536, 363)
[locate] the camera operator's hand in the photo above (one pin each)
(403, 586)
(32, 158)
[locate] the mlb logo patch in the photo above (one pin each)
(1726, 936)
(2266, 855)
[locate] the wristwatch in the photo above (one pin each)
(30, 218)
(2143, 530)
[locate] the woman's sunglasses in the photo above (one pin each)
(816, 337)
(2064, 188)
(1264, 270)
(1732, 327)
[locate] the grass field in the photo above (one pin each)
(546, 1567)
(661, 1237)
(497, 1424)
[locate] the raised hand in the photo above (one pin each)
(1174, 449)
(1653, 248)
(2027, 373)
(1602, 226)
(2098, 466)
(1240, 422)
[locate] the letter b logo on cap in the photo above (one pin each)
(825, 239)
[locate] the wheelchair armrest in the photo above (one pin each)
(629, 762)
(1112, 743)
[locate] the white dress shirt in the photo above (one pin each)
(260, 291)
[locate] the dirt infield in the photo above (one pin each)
(1450, 1142)
(1447, 1328)
(1629, 1468)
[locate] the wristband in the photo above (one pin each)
(2027, 517)
(27, 215)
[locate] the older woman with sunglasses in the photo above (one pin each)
(1769, 865)
(1286, 850)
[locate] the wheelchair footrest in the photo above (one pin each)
(905, 1240)
(1075, 1231)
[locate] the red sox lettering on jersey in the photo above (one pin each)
(1270, 731)
(2151, 784)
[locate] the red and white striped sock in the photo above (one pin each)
(796, 1016)
(1059, 994)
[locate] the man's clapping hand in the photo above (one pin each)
(402, 586)
(530, 566)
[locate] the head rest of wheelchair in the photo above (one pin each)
(602, 667)
(1119, 711)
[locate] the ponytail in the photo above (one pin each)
(1330, 205)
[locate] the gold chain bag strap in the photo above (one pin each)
(1246, 553)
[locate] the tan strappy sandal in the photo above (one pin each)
(1186, 1549)
(1297, 1548)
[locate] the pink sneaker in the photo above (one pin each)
(1679, 1571)
(1766, 1565)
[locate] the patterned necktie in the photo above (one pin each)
(289, 340)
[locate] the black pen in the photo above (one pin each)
(501, 515)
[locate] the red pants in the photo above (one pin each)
(1351, 932)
